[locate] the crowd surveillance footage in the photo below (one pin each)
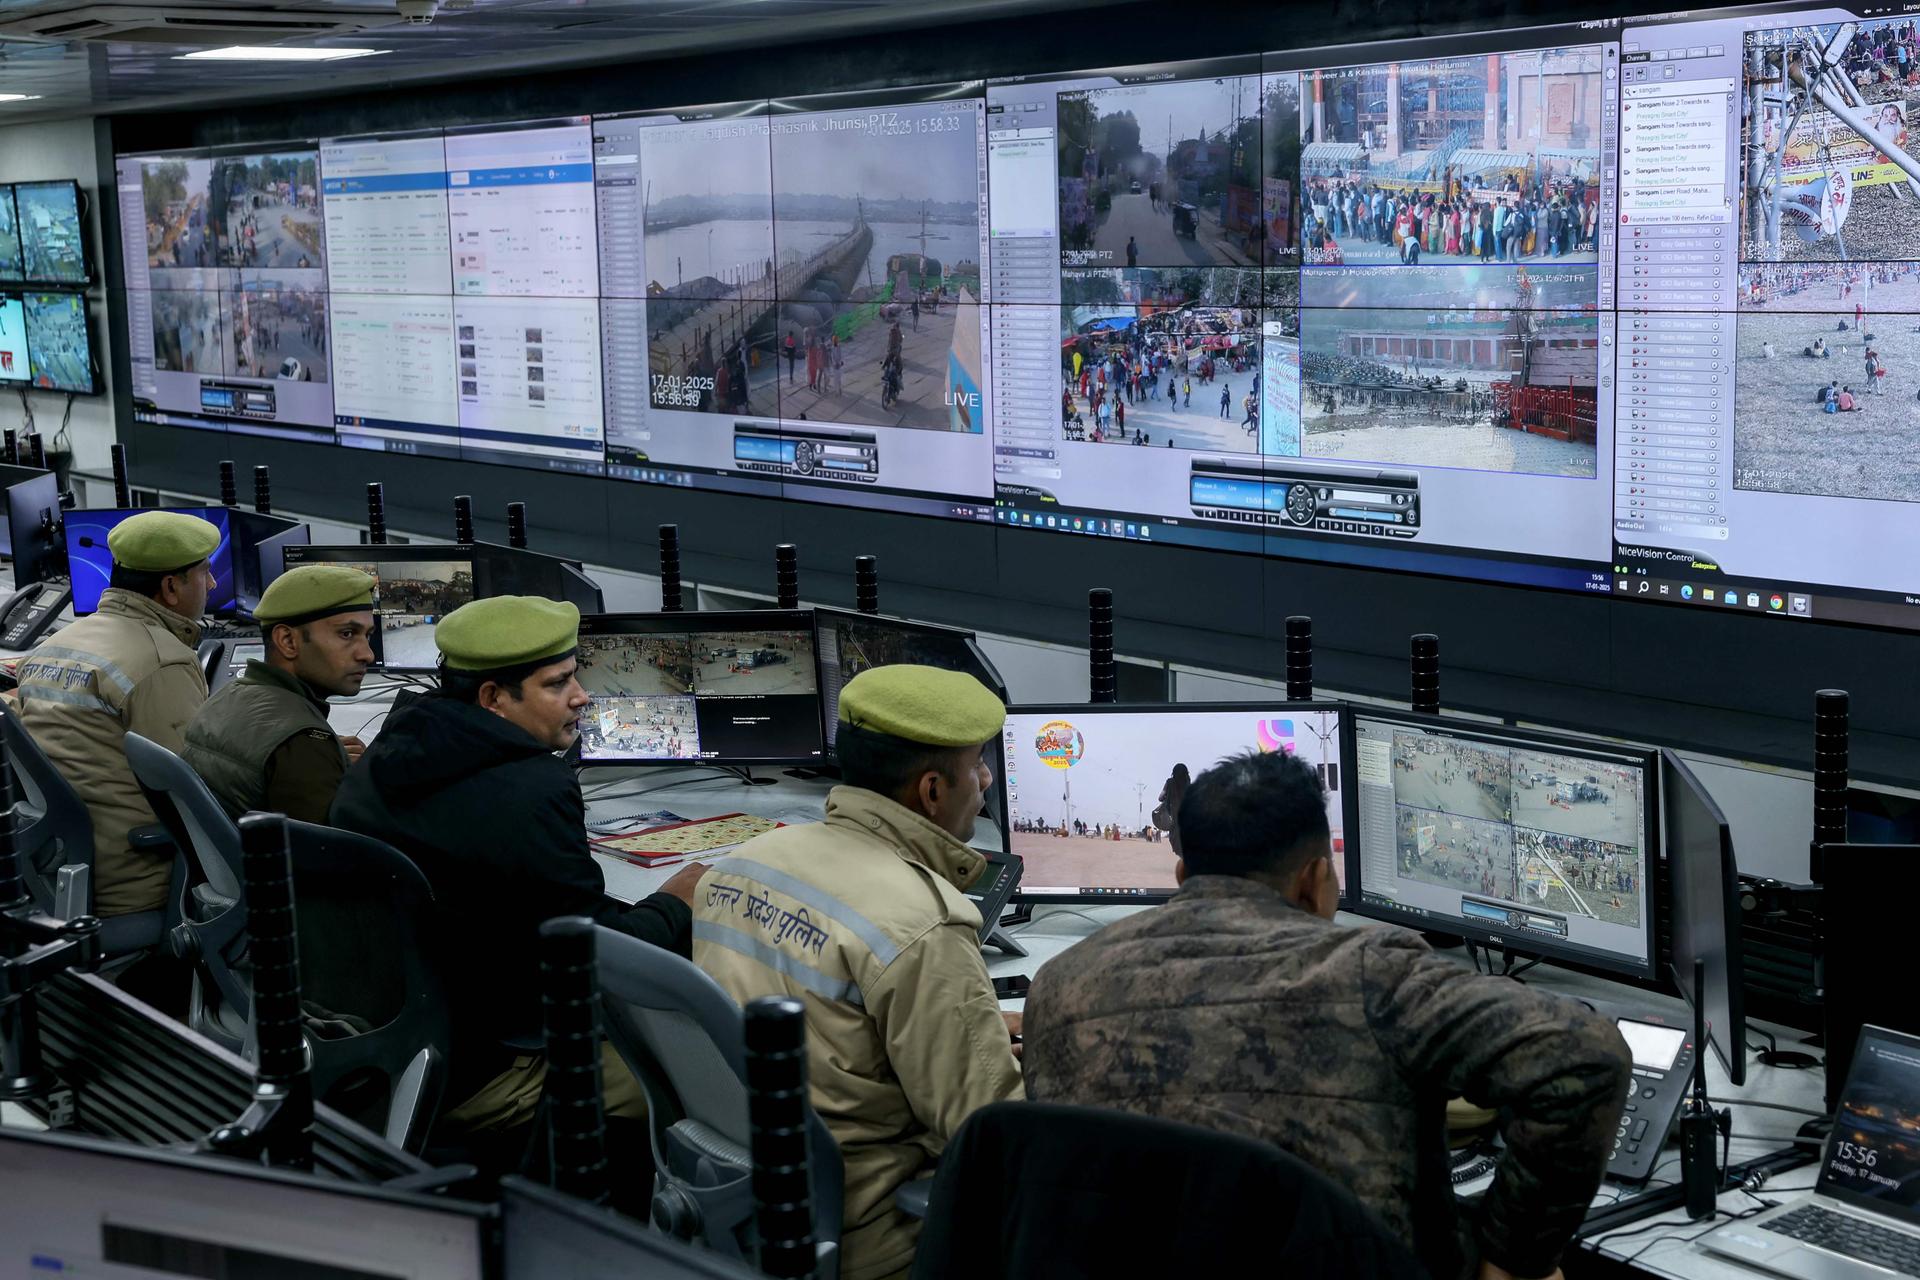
(1620, 307)
(1086, 791)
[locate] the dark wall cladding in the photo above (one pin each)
(1587, 661)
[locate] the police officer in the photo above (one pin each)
(465, 781)
(127, 668)
(263, 742)
(864, 918)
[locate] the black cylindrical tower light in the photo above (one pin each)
(786, 575)
(1424, 668)
(670, 597)
(866, 584)
(1103, 675)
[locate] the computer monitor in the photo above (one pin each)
(259, 548)
(516, 571)
(33, 508)
(12, 261)
(1083, 782)
(1704, 893)
(86, 1206)
(90, 561)
(1532, 842)
(60, 343)
(850, 643)
(675, 688)
(544, 1232)
(415, 587)
(53, 239)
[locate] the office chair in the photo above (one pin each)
(208, 900)
(54, 831)
(682, 1037)
(365, 916)
(1033, 1190)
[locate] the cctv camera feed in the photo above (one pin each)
(410, 597)
(851, 643)
(1532, 844)
(228, 317)
(1091, 794)
(51, 237)
(12, 260)
(735, 696)
(59, 345)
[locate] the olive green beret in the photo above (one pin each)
(927, 705)
(162, 541)
(315, 591)
(507, 631)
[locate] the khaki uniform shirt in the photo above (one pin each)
(128, 668)
(863, 919)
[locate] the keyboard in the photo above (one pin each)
(1851, 1237)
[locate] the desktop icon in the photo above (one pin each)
(1800, 606)
(1145, 531)
(1753, 599)
(1645, 586)
(1776, 602)
(1049, 522)
(1706, 594)
(1686, 592)
(1133, 531)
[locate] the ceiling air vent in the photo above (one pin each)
(188, 26)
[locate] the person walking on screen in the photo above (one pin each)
(1133, 252)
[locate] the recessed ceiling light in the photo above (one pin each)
(19, 97)
(275, 53)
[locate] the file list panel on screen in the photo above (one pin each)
(1770, 258)
(225, 261)
(529, 382)
(520, 210)
(832, 354)
(386, 210)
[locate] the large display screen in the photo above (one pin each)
(59, 343)
(15, 360)
(52, 241)
(12, 261)
(1619, 307)
(1538, 844)
(1086, 786)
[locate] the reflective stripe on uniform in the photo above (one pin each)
(884, 949)
(71, 697)
(738, 941)
(92, 661)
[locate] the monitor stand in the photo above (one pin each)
(1002, 941)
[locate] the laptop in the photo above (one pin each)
(1863, 1220)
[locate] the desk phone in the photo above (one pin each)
(1662, 1066)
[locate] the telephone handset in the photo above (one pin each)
(213, 662)
(27, 613)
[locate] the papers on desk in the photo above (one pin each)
(677, 840)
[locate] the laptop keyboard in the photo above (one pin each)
(1844, 1234)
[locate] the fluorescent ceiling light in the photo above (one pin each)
(19, 97)
(275, 53)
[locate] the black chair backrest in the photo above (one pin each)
(365, 915)
(53, 827)
(1028, 1190)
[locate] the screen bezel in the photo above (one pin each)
(653, 624)
(1515, 942)
(80, 222)
(1343, 732)
(32, 493)
(1729, 1041)
(93, 387)
(380, 552)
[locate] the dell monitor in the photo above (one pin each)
(79, 1205)
(1083, 782)
(90, 561)
(1704, 889)
(1534, 843)
(414, 588)
(735, 688)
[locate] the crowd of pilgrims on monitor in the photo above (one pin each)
(1086, 830)
(1517, 221)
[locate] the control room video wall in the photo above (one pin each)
(1619, 307)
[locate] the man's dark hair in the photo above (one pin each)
(883, 763)
(144, 582)
(1260, 813)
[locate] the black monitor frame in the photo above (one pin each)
(516, 571)
(80, 225)
(254, 532)
(689, 623)
(16, 280)
(1714, 912)
(94, 385)
(381, 553)
(649, 1252)
(1134, 896)
(33, 500)
(1516, 942)
(213, 514)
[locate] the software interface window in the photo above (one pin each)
(1621, 306)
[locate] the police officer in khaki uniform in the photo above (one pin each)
(864, 918)
(127, 668)
(264, 742)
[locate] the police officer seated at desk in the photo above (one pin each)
(1241, 1005)
(129, 667)
(864, 919)
(264, 742)
(467, 783)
